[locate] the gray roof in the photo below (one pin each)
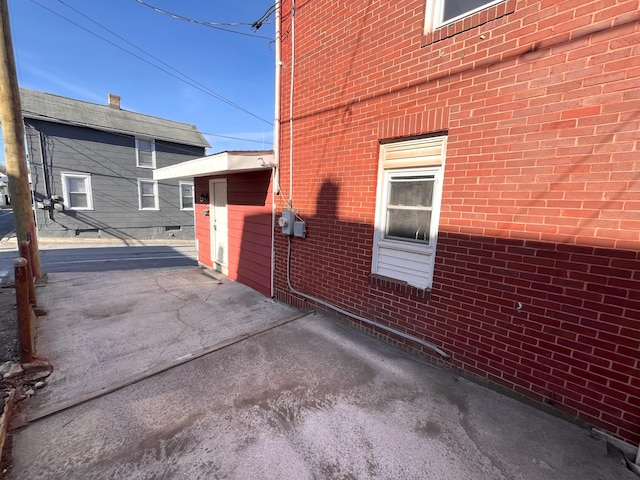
(53, 108)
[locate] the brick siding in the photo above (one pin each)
(541, 201)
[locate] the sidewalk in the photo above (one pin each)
(309, 398)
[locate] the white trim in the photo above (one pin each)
(409, 261)
(155, 193)
(66, 194)
(219, 216)
(153, 152)
(218, 164)
(181, 183)
(435, 11)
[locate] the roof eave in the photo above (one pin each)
(218, 164)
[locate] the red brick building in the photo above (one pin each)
(469, 178)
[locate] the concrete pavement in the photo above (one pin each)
(311, 399)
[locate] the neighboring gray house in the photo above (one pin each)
(92, 169)
(4, 190)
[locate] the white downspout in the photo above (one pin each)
(275, 190)
(291, 92)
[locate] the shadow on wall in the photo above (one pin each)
(555, 322)
(250, 229)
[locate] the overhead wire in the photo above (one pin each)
(216, 25)
(89, 125)
(216, 95)
(264, 18)
(188, 81)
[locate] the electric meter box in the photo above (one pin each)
(286, 222)
(299, 229)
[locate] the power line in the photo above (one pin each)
(96, 127)
(190, 81)
(264, 17)
(215, 25)
(211, 92)
(238, 138)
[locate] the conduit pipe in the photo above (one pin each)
(276, 140)
(413, 339)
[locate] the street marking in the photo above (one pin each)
(118, 260)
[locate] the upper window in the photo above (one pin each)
(443, 12)
(147, 195)
(145, 153)
(186, 195)
(76, 190)
(408, 210)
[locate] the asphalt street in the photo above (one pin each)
(6, 223)
(101, 256)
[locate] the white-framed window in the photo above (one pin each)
(147, 194)
(186, 195)
(76, 191)
(442, 12)
(145, 153)
(410, 179)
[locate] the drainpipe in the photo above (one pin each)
(275, 190)
(276, 114)
(45, 173)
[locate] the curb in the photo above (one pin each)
(9, 405)
(32, 372)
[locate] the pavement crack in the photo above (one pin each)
(471, 433)
(186, 324)
(185, 327)
(165, 290)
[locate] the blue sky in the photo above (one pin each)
(56, 55)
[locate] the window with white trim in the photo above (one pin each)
(147, 194)
(76, 191)
(186, 195)
(145, 153)
(408, 210)
(443, 12)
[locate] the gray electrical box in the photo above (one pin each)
(299, 229)
(286, 221)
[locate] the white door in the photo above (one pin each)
(218, 220)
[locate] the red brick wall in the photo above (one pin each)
(541, 201)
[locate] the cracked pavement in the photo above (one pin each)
(312, 399)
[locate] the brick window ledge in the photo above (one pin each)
(467, 23)
(399, 286)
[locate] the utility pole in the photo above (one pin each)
(13, 135)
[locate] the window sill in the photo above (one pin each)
(399, 286)
(467, 23)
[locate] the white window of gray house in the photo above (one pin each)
(442, 12)
(76, 191)
(408, 210)
(145, 153)
(186, 195)
(148, 194)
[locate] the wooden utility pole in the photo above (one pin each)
(13, 135)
